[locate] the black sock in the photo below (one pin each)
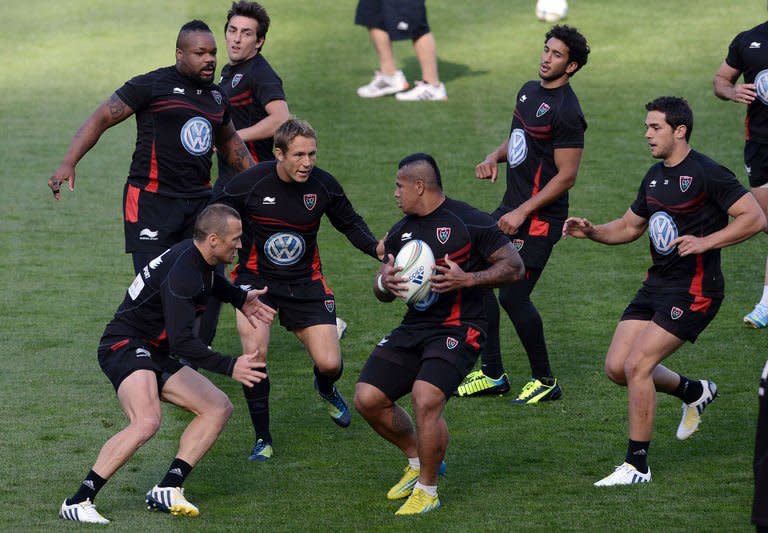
(177, 473)
(688, 390)
(637, 455)
(257, 399)
(491, 354)
(90, 486)
(325, 382)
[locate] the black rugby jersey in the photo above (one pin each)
(748, 53)
(163, 301)
(691, 198)
(544, 119)
(250, 86)
(177, 121)
(281, 221)
(468, 236)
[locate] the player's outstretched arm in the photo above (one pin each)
(726, 88)
(248, 370)
(748, 219)
(488, 168)
(622, 230)
(109, 113)
(231, 146)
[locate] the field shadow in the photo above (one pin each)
(448, 70)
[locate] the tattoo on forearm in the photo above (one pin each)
(241, 158)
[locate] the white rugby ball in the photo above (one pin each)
(416, 259)
(551, 10)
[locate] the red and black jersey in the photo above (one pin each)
(281, 221)
(691, 198)
(544, 120)
(469, 237)
(177, 121)
(250, 86)
(748, 53)
(165, 298)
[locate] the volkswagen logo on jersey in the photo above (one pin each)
(443, 234)
(517, 148)
(662, 231)
(427, 302)
(761, 86)
(196, 136)
(284, 249)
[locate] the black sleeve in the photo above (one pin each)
(177, 293)
(235, 192)
(639, 206)
(228, 293)
(345, 219)
(137, 92)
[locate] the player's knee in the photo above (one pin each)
(615, 373)
(145, 427)
(367, 399)
(221, 407)
(362, 399)
(428, 401)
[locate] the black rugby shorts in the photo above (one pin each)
(299, 304)
(678, 311)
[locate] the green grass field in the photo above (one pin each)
(63, 273)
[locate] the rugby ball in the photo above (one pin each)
(416, 260)
(551, 10)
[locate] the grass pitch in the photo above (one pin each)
(509, 468)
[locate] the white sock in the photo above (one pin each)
(414, 463)
(429, 489)
(764, 299)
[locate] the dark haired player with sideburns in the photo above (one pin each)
(282, 203)
(543, 152)
(254, 89)
(684, 202)
(180, 116)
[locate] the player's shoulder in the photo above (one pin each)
(324, 179)
(467, 213)
(703, 161)
(159, 75)
(184, 269)
(251, 178)
(752, 33)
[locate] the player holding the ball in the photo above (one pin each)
(441, 336)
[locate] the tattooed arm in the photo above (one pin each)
(233, 149)
(111, 112)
